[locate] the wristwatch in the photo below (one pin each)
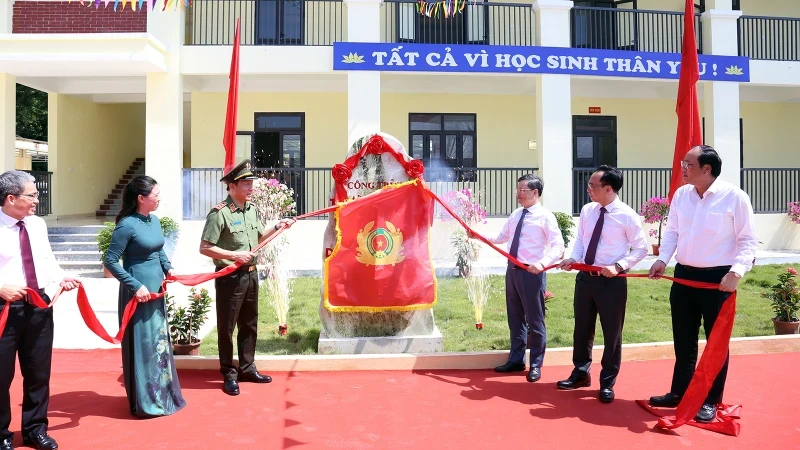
(619, 268)
(276, 227)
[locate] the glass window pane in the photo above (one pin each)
(608, 154)
(469, 151)
(451, 148)
(460, 122)
(430, 122)
(244, 146)
(267, 19)
(416, 146)
(435, 147)
(279, 122)
(292, 19)
(291, 150)
(584, 151)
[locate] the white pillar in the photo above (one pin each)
(164, 115)
(8, 120)
(363, 88)
(6, 16)
(554, 109)
(721, 98)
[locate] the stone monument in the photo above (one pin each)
(374, 332)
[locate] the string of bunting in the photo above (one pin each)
(447, 7)
(137, 5)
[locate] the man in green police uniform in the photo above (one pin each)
(231, 232)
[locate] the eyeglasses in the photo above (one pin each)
(685, 165)
(522, 190)
(592, 186)
(34, 196)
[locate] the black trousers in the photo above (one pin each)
(607, 297)
(689, 305)
(29, 333)
(525, 306)
(237, 305)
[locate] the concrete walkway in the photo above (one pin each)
(72, 333)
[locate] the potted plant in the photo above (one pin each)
(565, 224)
(656, 210)
(103, 242)
(785, 298)
(172, 231)
(185, 321)
(794, 212)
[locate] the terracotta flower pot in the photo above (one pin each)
(785, 327)
(192, 349)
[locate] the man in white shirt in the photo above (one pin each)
(536, 241)
(26, 260)
(710, 225)
(610, 236)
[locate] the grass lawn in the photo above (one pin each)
(647, 318)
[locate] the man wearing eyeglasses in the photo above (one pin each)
(26, 260)
(535, 240)
(609, 236)
(710, 226)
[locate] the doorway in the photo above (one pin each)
(279, 150)
(594, 143)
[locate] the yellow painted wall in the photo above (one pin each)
(773, 8)
(325, 121)
(771, 134)
(214, 22)
(505, 123)
(23, 162)
(90, 147)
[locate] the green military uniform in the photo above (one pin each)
(236, 229)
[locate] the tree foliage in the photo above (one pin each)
(31, 113)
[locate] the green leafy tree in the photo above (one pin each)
(31, 113)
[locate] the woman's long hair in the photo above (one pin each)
(140, 185)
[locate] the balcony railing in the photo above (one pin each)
(313, 187)
(43, 183)
(478, 23)
(637, 187)
(771, 189)
(771, 38)
(630, 29)
(266, 22)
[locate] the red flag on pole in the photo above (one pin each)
(690, 133)
(229, 138)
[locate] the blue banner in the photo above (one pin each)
(390, 57)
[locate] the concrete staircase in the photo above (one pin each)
(111, 206)
(75, 249)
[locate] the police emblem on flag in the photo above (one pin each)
(381, 246)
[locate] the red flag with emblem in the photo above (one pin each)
(382, 260)
(690, 133)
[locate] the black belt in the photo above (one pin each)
(595, 273)
(704, 269)
(248, 268)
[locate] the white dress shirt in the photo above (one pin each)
(540, 239)
(621, 241)
(716, 230)
(48, 273)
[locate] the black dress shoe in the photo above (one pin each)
(510, 367)
(231, 387)
(41, 442)
(706, 414)
(255, 377)
(7, 444)
(669, 400)
(534, 375)
(606, 395)
(575, 381)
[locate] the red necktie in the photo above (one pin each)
(27, 257)
(591, 251)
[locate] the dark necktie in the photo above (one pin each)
(598, 228)
(515, 241)
(27, 257)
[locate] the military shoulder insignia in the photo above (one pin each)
(220, 205)
(381, 246)
(232, 207)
